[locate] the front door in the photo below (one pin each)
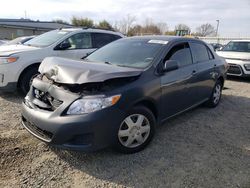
(177, 85)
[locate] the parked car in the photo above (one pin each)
(19, 63)
(237, 55)
(19, 40)
(119, 93)
(216, 46)
(2, 42)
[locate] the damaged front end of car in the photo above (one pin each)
(64, 81)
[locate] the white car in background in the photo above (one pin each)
(237, 55)
(19, 63)
(19, 40)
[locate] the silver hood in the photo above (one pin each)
(67, 71)
(7, 50)
(234, 55)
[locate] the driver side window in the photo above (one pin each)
(79, 41)
(180, 53)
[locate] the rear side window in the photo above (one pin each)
(101, 39)
(210, 54)
(181, 53)
(79, 41)
(200, 52)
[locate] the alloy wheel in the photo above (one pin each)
(217, 94)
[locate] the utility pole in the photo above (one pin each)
(25, 14)
(217, 28)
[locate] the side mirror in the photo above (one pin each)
(170, 65)
(63, 46)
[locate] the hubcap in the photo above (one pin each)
(134, 131)
(217, 93)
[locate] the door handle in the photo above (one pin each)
(194, 72)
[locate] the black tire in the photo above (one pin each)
(212, 102)
(26, 79)
(149, 121)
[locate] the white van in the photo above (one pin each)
(19, 63)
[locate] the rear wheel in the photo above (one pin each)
(26, 79)
(215, 97)
(136, 130)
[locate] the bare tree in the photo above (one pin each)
(148, 28)
(163, 27)
(205, 30)
(182, 27)
(125, 24)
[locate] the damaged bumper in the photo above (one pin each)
(87, 132)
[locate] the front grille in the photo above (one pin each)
(42, 134)
(234, 70)
(50, 103)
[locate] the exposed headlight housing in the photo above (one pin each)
(88, 105)
(6, 60)
(247, 67)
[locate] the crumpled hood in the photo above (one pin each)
(12, 49)
(234, 55)
(68, 71)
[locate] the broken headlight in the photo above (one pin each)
(88, 105)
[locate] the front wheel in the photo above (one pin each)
(135, 131)
(215, 97)
(26, 79)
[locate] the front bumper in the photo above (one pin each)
(236, 68)
(9, 87)
(8, 77)
(87, 132)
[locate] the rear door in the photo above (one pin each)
(177, 85)
(81, 45)
(205, 74)
(101, 39)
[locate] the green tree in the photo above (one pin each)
(104, 25)
(60, 21)
(82, 22)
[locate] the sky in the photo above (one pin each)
(234, 15)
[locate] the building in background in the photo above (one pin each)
(12, 28)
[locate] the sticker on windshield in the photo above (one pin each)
(158, 42)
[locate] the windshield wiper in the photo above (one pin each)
(106, 62)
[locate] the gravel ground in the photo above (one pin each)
(201, 148)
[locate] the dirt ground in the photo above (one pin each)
(201, 148)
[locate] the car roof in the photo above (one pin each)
(77, 29)
(163, 38)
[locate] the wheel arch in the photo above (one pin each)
(221, 78)
(26, 70)
(150, 105)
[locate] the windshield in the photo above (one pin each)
(127, 52)
(15, 41)
(237, 46)
(46, 39)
